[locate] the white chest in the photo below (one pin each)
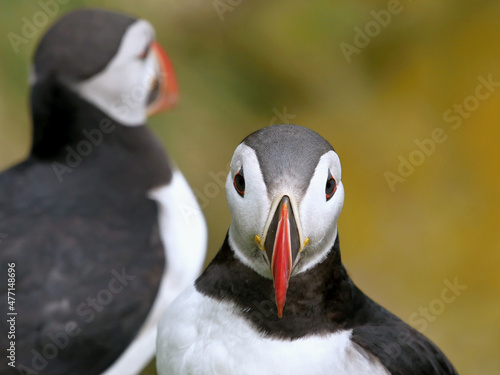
(202, 336)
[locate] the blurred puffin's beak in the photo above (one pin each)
(163, 94)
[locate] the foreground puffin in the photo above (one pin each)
(276, 299)
(102, 230)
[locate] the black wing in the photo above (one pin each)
(88, 264)
(401, 349)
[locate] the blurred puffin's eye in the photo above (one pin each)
(239, 182)
(331, 187)
(145, 53)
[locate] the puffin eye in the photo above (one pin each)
(239, 183)
(331, 187)
(145, 53)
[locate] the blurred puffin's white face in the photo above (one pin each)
(282, 228)
(138, 80)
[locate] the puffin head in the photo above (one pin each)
(285, 196)
(110, 60)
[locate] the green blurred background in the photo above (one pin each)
(243, 65)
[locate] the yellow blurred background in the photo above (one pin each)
(407, 92)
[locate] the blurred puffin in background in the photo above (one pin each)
(277, 299)
(101, 229)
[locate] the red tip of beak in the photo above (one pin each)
(169, 92)
(281, 264)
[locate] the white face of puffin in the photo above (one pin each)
(137, 82)
(279, 237)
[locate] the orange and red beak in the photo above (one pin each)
(164, 92)
(282, 244)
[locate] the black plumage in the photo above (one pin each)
(68, 237)
(320, 301)
(84, 236)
